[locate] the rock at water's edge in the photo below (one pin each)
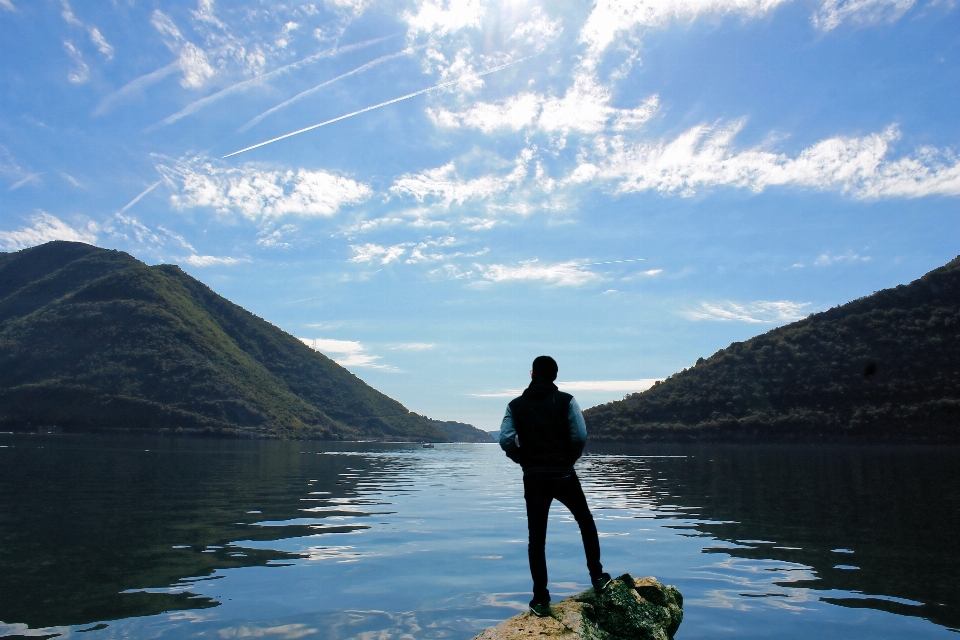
(626, 608)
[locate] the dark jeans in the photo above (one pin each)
(539, 490)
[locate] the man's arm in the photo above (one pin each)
(578, 429)
(508, 437)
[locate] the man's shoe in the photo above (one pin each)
(600, 582)
(540, 609)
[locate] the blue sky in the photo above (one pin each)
(626, 186)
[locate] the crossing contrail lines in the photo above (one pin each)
(591, 264)
(377, 106)
(304, 94)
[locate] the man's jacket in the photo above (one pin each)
(543, 430)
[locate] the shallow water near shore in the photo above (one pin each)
(115, 536)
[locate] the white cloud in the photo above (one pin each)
(514, 113)
(68, 15)
(424, 251)
(568, 274)
(704, 156)
(277, 238)
(194, 65)
(825, 259)
(101, 43)
(761, 311)
(212, 261)
(8, 5)
(128, 228)
(833, 13)
(628, 386)
(612, 17)
(354, 7)
(258, 193)
(414, 346)
(651, 272)
(192, 60)
(80, 72)
(506, 393)
(45, 228)
(349, 353)
(537, 31)
(444, 185)
(370, 253)
(584, 108)
(444, 16)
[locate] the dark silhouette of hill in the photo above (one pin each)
(95, 340)
(885, 367)
(462, 432)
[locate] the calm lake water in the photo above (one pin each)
(181, 538)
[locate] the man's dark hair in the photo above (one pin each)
(545, 368)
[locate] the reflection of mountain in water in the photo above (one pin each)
(117, 527)
(896, 509)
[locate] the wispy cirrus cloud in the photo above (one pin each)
(832, 13)
(827, 259)
(758, 312)
(414, 346)
(443, 18)
(32, 178)
(104, 47)
(610, 19)
(46, 227)
(346, 353)
(257, 193)
(429, 250)
(80, 72)
(705, 156)
(564, 274)
(212, 261)
(584, 108)
(445, 187)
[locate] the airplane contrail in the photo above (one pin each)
(202, 102)
(140, 197)
(592, 264)
(133, 86)
(20, 183)
(303, 94)
(376, 106)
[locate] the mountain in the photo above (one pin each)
(93, 339)
(462, 432)
(884, 368)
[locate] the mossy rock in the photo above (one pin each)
(627, 608)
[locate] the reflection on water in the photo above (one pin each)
(154, 537)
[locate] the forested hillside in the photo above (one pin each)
(92, 339)
(885, 367)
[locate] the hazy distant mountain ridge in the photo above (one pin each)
(462, 432)
(92, 339)
(885, 367)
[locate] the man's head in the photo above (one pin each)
(544, 368)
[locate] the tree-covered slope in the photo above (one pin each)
(885, 367)
(92, 339)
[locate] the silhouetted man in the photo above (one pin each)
(543, 431)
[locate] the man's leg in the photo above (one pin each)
(569, 492)
(538, 498)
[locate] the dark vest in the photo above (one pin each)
(540, 420)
